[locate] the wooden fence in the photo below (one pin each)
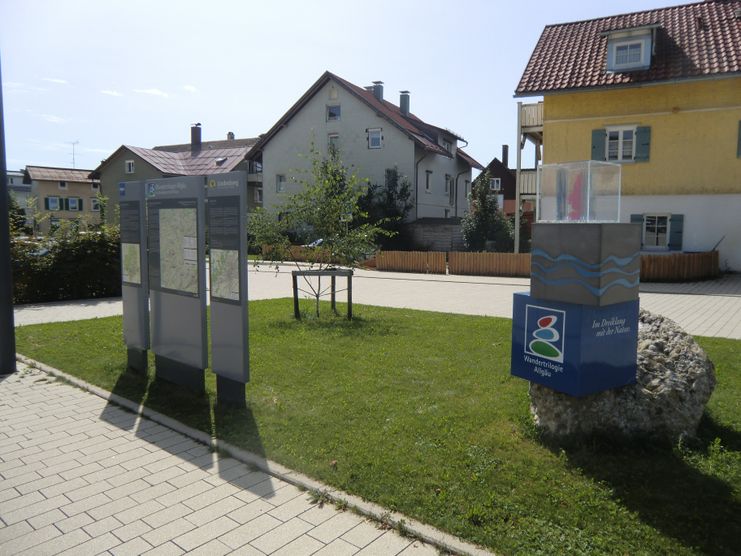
(489, 264)
(679, 267)
(412, 261)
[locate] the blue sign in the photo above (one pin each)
(573, 348)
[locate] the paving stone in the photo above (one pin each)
(388, 543)
(153, 492)
(183, 493)
(112, 507)
(281, 535)
(167, 549)
(42, 520)
(28, 540)
(418, 548)
(34, 509)
(84, 505)
(250, 511)
(338, 547)
(139, 511)
(134, 529)
(14, 531)
(94, 546)
(363, 534)
(250, 530)
(86, 491)
(131, 548)
(292, 508)
(166, 515)
(201, 535)
(335, 527)
(168, 531)
(319, 513)
(21, 502)
(102, 526)
(59, 544)
(212, 548)
(302, 546)
(63, 486)
(213, 494)
(67, 524)
(42, 483)
(225, 506)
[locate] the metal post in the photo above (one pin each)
(518, 177)
(334, 300)
(349, 296)
(7, 329)
(296, 312)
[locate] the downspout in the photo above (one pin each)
(416, 186)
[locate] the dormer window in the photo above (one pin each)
(448, 145)
(630, 50)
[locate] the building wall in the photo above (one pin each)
(436, 203)
(694, 133)
(115, 173)
(42, 189)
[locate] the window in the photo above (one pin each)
(94, 204)
(467, 187)
(333, 112)
(129, 166)
(655, 231)
(495, 184)
(95, 187)
(447, 183)
(333, 142)
(375, 138)
(629, 51)
(620, 144)
(447, 145)
(63, 185)
(258, 194)
(280, 183)
(73, 204)
(428, 180)
(51, 203)
(53, 223)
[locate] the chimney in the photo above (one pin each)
(195, 137)
(378, 89)
(505, 155)
(230, 136)
(404, 103)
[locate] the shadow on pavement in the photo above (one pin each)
(668, 493)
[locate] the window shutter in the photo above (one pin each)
(738, 146)
(46, 203)
(64, 204)
(79, 205)
(598, 144)
(643, 143)
(676, 226)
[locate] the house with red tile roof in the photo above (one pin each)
(130, 163)
(658, 92)
(62, 194)
(370, 134)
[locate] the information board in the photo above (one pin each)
(227, 225)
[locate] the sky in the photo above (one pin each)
(83, 77)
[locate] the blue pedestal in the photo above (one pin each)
(572, 348)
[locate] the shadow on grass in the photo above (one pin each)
(668, 493)
(332, 324)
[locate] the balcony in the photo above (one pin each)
(528, 183)
(531, 117)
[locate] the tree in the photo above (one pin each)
(389, 204)
(484, 221)
(325, 214)
(16, 216)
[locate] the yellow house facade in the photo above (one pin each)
(658, 92)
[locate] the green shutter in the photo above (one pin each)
(64, 204)
(738, 145)
(676, 227)
(46, 203)
(79, 204)
(598, 144)
(643, 143)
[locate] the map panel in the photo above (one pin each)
(178, 249)
(225, 274)
(131, 263)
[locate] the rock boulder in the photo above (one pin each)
(675, 379)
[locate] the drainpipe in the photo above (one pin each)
(416, 186)
(456, 190)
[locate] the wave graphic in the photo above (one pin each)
(591, 289)
(570, 258)
(587, 273)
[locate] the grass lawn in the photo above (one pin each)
(416, 411)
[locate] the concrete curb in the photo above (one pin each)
(395, 520)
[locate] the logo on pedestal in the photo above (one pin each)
(544, 332)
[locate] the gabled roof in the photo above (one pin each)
(422, 133)
(693, 41)
(48, 173)
(184, 162)
(223, 144)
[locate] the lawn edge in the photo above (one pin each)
(409, 527)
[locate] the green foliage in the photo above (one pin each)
(402, 413)
(326, 208)
(16, 217)
(484, 221)
(388, 205)
(69, 264)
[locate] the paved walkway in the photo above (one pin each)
(79, 475)
(709, 308)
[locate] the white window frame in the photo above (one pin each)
(63, 185)
(94, 204)
(621, 143)
(645, 236)
(129, 166)
(643, 40)
(428, 181)
(448, 145)
(375, 133)
(336, 118)
(495, 184)
(56, 200)
(280, 183)
(447, 183)
(76, 201)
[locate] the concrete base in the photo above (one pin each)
(230, 392)
(136, 360)
(191, 378)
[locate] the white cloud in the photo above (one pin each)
(111, 93)
(190, 88)
(55, 80)
(52, 119)
(153, 92)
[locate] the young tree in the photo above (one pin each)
(325, 214)
(16, 216)
(484, 221)
(389, 204)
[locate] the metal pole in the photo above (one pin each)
(7, 329)
(518, 177)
